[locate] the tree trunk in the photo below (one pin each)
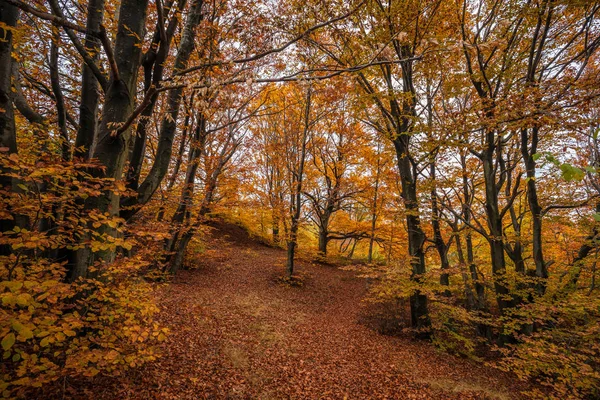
(119, 103)
(416, 237)
(169, 123)
(353, 248)
(275, 228)
(438, 240)
(494, 220)
(323, 240)
(466, 216)
(153, 63)
(88, 107)
(374, 212)
(541, 270)
(471, 305)
(182, 214)
(9, 16)
(296, 195)
(291, 250)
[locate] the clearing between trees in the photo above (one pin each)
(237, 333)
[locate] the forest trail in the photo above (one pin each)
(238, 334)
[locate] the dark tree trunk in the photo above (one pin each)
(9, 16)
(8, 139)
(88, 107)
(296, 195)
(398, 118)
(153, 63)
(291, 252)
(466, 216)
(471, 305)
(541, 270)
(352, 249)
(374, 211)
(416, 237)
(169, 123)
(178, 243)
(494, 220)
(275, 226)
(440, 244)
(323, 240)
(61, 111)
(111, 150)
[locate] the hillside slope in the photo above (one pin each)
(236, 333)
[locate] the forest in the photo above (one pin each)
(316, 199)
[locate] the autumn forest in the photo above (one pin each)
(317, 199)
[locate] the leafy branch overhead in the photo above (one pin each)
(444, 154)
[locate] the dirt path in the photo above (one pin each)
(237, 334)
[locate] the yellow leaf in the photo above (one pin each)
(22, 330)
(8, 341)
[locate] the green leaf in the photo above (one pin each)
(8, 341)
(552, 159)
(536, 156)
(571, 173)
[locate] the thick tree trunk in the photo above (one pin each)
(293, 235)
(8, 136)
(111, 151)
(291, 252)
(416, 237)
(323, 240)
(178, 257)
(88, 107)
(494, 220)
(400, 117)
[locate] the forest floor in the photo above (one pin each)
(237, 333)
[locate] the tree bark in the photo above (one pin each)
(494, 221)
(9, 16)
(541, 270)
(323, 240)
(169, 123)
(440, 244)
(88, 106)
(374, 211)
(119, 104)
(296, 195)
(153, 63)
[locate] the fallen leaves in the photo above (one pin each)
(235, 333)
